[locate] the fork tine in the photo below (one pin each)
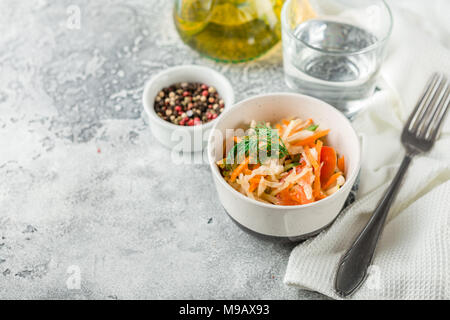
(432, 108)
(440, 115)
(417, 113)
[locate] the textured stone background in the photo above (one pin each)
(84, 188)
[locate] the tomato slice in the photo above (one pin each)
(329, 159)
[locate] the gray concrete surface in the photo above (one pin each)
(91, 207)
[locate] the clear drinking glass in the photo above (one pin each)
(333, 49)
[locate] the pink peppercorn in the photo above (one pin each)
(214, 115)
(178, 108)
(205, 93)
(191, 122)
(185, 94)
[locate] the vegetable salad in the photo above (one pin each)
(287, 164)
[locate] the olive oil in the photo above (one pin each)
(229, 30)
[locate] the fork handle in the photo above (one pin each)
(352, 269)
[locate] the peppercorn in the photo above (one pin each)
(188, 104)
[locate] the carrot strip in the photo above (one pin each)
(332, 179)
(316, 184)
(285, 122)
(311, 158)
(319, 145)
(312, 138)
(255, 178)
(253, 186)
(254, 182)
(321, 196)
(317, 187)
(239, 169)
(248, 171)
(341, 164)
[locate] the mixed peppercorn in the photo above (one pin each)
(188, 104)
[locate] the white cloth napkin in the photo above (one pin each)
(412, 260)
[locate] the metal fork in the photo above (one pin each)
(418, 136)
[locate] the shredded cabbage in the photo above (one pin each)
(289, 179)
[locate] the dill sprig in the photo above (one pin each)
(258, 144)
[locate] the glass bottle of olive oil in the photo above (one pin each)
(229, 30)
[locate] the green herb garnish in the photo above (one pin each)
(296, 157)
(258, 144)
(291, 165)
(312, 127)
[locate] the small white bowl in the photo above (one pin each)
(184, 138)
(292, 222)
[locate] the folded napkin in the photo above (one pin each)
(412, 260)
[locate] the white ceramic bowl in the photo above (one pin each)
(183, 137)
(293, 222)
